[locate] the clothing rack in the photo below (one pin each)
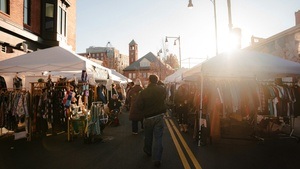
(93, 124)
(289, 118)
(247, 119)
(21, 129)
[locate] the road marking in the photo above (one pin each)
(186, 147)
(179, 150)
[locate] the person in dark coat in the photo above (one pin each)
(134, 114)
(114, 106)
(151, 101)
(181, 102)
(128, 88)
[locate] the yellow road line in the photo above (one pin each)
(188, 150)
(179, 150)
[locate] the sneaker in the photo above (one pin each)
(134, 133)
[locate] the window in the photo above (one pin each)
(26, 11)
(130, 75)
(62, 21)
(49, 25)
(144, 75)
(133, 75)
(4, 6)
(132, 47)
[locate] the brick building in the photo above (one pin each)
(145, 66)
(29, 25)
(285, 44)
(108, 57)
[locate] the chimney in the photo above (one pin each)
(297, 17)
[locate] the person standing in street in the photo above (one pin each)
(114, 106)
(151, 101)
(135, 115)
(182, 108)
(128, 88)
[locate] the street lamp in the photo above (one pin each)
(176, 38)
(190, 5)
(158, 54)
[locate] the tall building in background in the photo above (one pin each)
(133, 52)
(29, 25)
(108, 57)
(147, 65)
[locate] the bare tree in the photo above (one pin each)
(171, 60)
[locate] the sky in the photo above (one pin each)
(148, 22)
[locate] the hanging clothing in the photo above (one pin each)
(3, 85)
(17, 83)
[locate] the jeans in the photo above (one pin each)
(153, 129)
(135, 126)
(182, 112)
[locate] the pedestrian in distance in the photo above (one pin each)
(128, 88)
(151, 101)
(181, 102)
(114, 106)
(135, 115)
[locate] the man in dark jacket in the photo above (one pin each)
(135, 115)
(151, 101)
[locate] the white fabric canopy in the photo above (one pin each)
(116, 76)
(244, 63)
(176, 76)
(50, 59)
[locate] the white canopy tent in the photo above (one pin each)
(52, 60)
(190, 74)
(176, 76)
(56, 60)
(112, 75)
(116, 76)
(244, 64)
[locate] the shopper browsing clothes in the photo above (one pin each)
(151, 101)
(114, 106)
(128, 88)
(181, 103)
(135, 115)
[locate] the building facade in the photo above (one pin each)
(108, 57)
(29, 25)
(145, 66)
(285, 44)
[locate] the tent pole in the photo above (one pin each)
(200, 113)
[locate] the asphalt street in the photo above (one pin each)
(121, 149)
